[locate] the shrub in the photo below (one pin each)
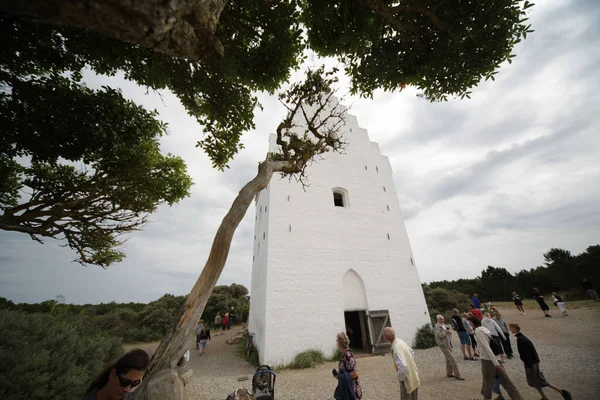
(308, 359)
(425, 338)
(337, 354)
(44, 356)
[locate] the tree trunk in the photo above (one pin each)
(181, 28)
(173, 345)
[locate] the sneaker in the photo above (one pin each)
(500, 397)
(566, 395)
(459, 378)
(472, 359)
(450, 376)
(466, 358)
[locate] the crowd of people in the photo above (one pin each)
(483, 335)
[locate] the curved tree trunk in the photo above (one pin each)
(181, 28)
(173, 345)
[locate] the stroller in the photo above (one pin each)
(263, 383)
(263, 386)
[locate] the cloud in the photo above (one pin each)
(496, 180)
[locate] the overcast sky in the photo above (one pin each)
(495, 180)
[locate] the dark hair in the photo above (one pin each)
(136, 359)
(475, 321)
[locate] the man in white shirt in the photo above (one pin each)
(406, 369)
(490, 367)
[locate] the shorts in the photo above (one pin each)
(202, 344)
(464, 338)
(217, 327)
(535, 377)
(518, 303)
(544, 307)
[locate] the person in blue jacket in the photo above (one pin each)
(475, 301)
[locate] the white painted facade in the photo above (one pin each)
(313, 260)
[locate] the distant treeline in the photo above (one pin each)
(561, 271)
(136, 322)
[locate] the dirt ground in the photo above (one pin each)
(569, 348)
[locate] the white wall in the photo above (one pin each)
(312, 244)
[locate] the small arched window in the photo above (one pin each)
(340, 197)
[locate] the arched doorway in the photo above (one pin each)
(355, 311)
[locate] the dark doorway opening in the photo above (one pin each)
(356, 329)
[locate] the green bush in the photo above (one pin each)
(425, 337)
(337, 354)
(308, 359)
(47, 357)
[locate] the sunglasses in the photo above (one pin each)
(126, 382)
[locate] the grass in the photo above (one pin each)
(308, 359)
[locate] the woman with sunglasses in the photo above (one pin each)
(118, 379)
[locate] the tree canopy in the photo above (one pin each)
(442, 47)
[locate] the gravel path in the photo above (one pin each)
(568, 347)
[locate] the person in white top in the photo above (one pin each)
(406, 369)
(496, 333)
(490, 367)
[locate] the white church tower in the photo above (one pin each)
(334, 257)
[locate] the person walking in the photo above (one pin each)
(217, 323)
(560, 303)
(406, 368)
(497, 334)
(506, 340)
(203, 338)
(225, 322)
(198, 331)
(531, 361)
(230, 321)
(347, 364)
(442, 337)
(589, 288)
(465, 340)
(540, 299)
(471, 333)
(490, 367)
(518, 302)
(475, 301)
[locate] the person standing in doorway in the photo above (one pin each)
(518, 302)
(465, 340)
(506, 340)
(490, 367)
(217, 323)
(475, 301)
(471, 333)
(559, 302)
(406, 368)
(442, 337)
(589, 288)
(497, 335)
(540, 299)
(529, 356)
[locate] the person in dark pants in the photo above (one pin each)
(506, 340)
(589, 288)
(540, 299)
(490, 367)
(518, 302)
(531, 360)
